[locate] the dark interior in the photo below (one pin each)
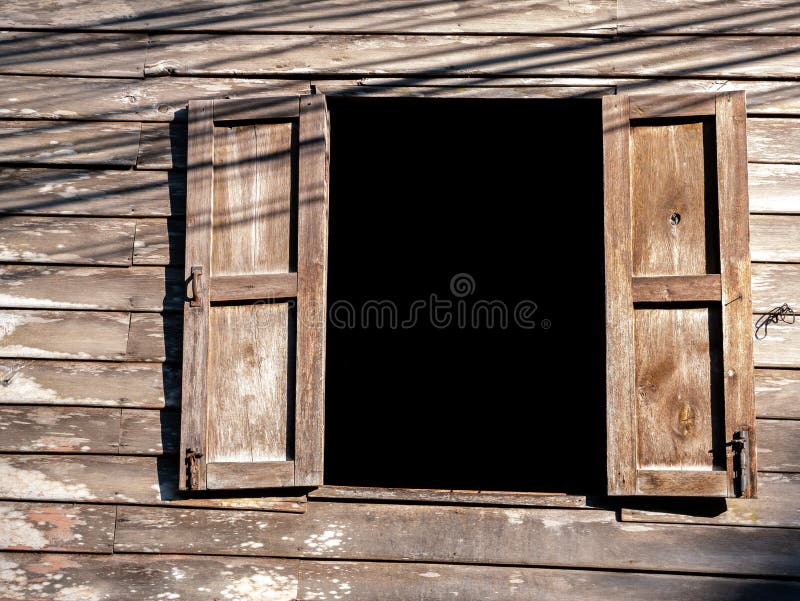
(508, 192)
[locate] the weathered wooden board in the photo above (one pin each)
(774, 284)
(518, 536)
(159, 242)
(51, 527)
(142, 385)
(775, 237)
(367, 581)
(76, 240)
(162, 146)
(777, 391)
(773, 140)
(69, 143)
(91, 192)
(100, 288)
(116, 479)
(93, 55)
(239, 55)
(708, 16)
(464, 91)
(448, 16)
(778, 446)
(780, 348)
(778, 504)
(774, 188)
(148, 432)
(36, 429)
(155, 337)
(160, 99)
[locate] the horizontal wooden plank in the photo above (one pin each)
(100, 288)
(448, 534)
(774, 188)
(464, 91)
(774, 284)
(159, 242)
(64, 577)
(777, 505)
(777, 391)
(448, 16)
(256, 109)
(651, 106)
(51, 527)
(780, 347)
(774, 238)
(69, 143)
(36, 429)
(84, 383)
(778, 445)
(261, 474)
(508, 499)
(145, 432)
(162, 146)
(93, 193)
(253, 287)
(241, 55)
(117, 479)
(773, 140)
(682, 483)
(86, 241)
(367, 581)
(155, 337)
(676, 288)
(708, 17)
(92, 55)
(97, 99)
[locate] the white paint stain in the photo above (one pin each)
(635, 527)
(264, 585)
(514, 516)
(430, 574)
(16, 532)
(329, 539)
(33, 484)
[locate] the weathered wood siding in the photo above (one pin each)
(93, 100)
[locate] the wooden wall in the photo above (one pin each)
(92, 184)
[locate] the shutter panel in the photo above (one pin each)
(678, 305)
(256, 262)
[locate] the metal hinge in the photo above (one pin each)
(740, 445)
(193, 468)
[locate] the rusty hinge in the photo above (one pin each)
(193, 468)
(740, 445)
(196, 300)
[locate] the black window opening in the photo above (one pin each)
(489, 210)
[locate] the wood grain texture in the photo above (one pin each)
(98, 288)
(238, 474)
(312, 282)
(677, 376)
(92, 193)
(87, 241)
(510, 536)
(465, 90)
(774, 284)
(253, 287)
(50, 527)
(145, 432)
(247, 383)
(773, 140)
(708, 17)
(667, 179)
(681, 483)
(154, 337)
(92, 55)
(778, 447)
(162, 146)
(69, 143)
(676, 288)
(657, 106)
(143, 578)
(265, 108)
(365, 581)
(137, 480)
(451, 16)
(260, 56)
(98, 99)
(777, 391)
(620, 383)
(777, 505)
(39, 429)
(774, 188)
(780, 348)
(84, 383)
(774, 238)
(159, 242)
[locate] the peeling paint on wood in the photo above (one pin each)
(50, 527)
(36, 429)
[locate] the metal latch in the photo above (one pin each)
(193, 468)
(196, 272)
(740, 445)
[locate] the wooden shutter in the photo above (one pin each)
(256, 261)
(680, 409)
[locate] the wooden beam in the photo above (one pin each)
(681, 483)
(50, 527)
(253, 287)
(650, 106)
(256, 109)
(259, 474)
(676, 288)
